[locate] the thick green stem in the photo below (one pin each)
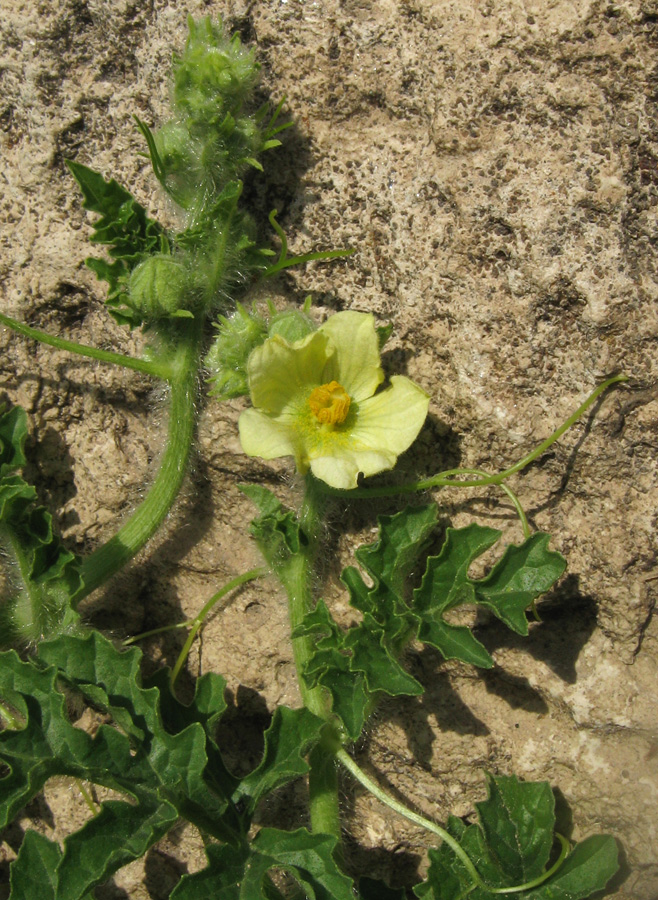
(151, 513)
(297, 577)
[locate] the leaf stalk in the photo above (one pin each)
(147, 367)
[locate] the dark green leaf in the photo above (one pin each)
(120, 833)
(33, 874)
(287, 741)
(390, 561)
(309, 858)
(369, 653)
(383, 334)
(221, 878)
(111, 680)
(331, 668)
(587, 869)
(518, 820)
(517, 579)
(511, 847)
(243, 874)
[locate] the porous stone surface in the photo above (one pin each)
(494, 163)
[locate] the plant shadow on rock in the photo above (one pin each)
(440, 701)
(568, 620)
(162, 873)
(240, 731)
(397, 868)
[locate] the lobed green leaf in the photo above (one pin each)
(511, 847)
(163, 775)
(521, 575)
(244, 875)
(126, 229)
(292, 733)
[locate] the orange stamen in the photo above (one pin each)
(330, 403)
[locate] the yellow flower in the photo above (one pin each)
(316, 399)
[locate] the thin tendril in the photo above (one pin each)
(446, 479)
(156, 370)
(198, 620)
(284, 261)
(346, 760)
(155, 631)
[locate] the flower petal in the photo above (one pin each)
(279, 372)
(390, 421)
(383, 427)
(355, 363)
(341, 470)
(261, 435)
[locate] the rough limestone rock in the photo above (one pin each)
(495, 165)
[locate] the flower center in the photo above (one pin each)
(330, 403)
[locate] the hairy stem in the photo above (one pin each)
(296, 575)
(152, 511)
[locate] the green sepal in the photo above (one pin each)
(383, 334)
(238, 334)
(511, 847)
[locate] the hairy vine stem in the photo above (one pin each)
(151, 513)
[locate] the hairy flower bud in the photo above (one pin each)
(291, 324)
(214, 75)
(159, 287)
(239, 334)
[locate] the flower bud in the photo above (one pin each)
(214, 75)
(239, 334)
(291, 324)
(159, 287)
